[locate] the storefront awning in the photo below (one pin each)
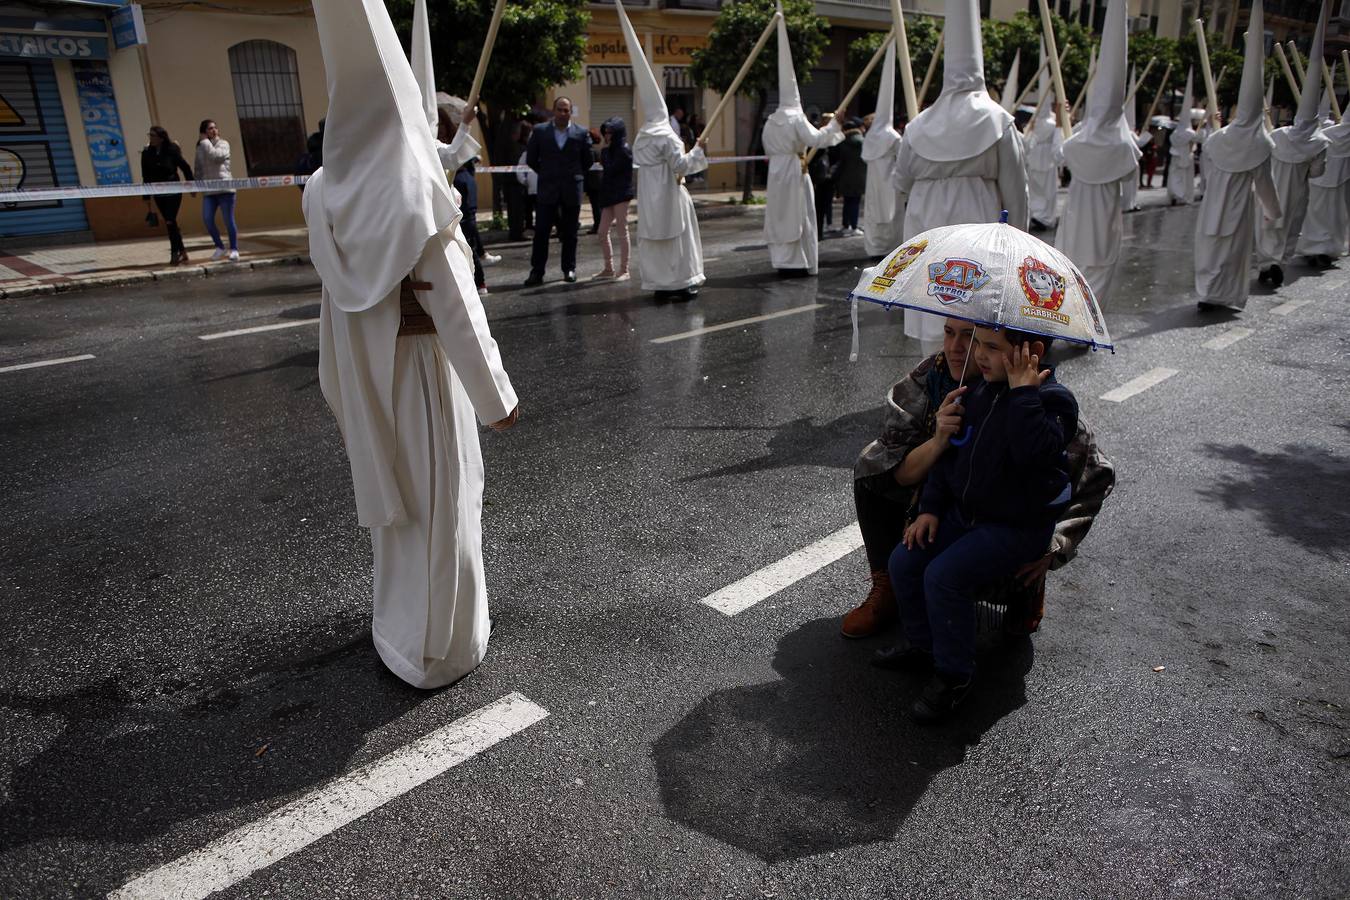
(609, 76)
(677, 77)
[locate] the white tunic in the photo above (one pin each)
(790, 210)
(960, 192)
(1043, 171)
(1090, 232)
(1327, 226)
(1276, 239)
(1225, 231)
(406, 407)
(1181, 176)
(670, 249)
(883, 216)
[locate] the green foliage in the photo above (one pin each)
(734, 33)
(553, 30)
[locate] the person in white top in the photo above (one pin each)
(213, 164)
(1236, 162)
(1327, 226)
(670, 248)
(1103, 158)
(962, 158)
(1042, 161)
(1299, 153)
(790, 207)
(882, 217)
(405, 355)
(1181, 177)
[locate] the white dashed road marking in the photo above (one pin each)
(1151, 378)
(47, 362)
(1228, 338)
(771, 579)
(737, 324)
(256, 329)
(1285, 309)
(298, 824)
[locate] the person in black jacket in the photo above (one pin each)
(559, 152)
(162, 160)
(593, 181)
(616, 192)
(987, 509)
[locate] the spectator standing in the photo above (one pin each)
(850, 175)
(559, 152)
(162, 160)
(1148, 164)
(213, 164)
(616, 192)
(819, 172)
(593, 182)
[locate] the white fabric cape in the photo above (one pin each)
(790, 208)
(670, 248)
(1225, 232)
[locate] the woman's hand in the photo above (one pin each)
(922, 531)
(1023, 366)
(467, 115)
(949, 415)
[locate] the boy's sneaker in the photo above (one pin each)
(218, 255)
(942, 694)
(904, 657)
(234, 256)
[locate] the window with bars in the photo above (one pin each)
(267, 98)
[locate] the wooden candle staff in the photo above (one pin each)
(1056, 74)
(486, 54)
(740, 76)
(1211, 94)
(906, 68)
(857, 85)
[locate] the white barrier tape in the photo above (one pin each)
(160, 188)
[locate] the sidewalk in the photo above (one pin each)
(50, 270)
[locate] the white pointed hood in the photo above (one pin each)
(1008, 99)
(422, 67)
(882, 138)
(651, 100)
(1243, 144)
(1337, 134)
(1183, 136)
(1324, 106)
(789, 98)
(964, 121)
(1270, 98)
(1104, 149)
(1303, 140)
(381, 194)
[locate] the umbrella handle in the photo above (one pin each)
(963, 439)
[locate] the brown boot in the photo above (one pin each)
(876, 612)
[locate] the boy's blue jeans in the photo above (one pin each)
(224, 203)
(934, 587)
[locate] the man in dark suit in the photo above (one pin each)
(559, 152)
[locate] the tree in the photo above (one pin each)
(735, 31)
(553, 30)
(922, 34)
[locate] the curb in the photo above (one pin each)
(120, 279)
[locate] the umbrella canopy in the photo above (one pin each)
(991, 275)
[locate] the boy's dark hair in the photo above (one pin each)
(1017, 338)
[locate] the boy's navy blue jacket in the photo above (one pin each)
(1013, 469)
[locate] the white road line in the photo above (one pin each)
(256, 329)
(1151, 378)
(771, 579)
(296, 825)
(47, 362)
(737, 324)
(1228, 338)
(1285, 309)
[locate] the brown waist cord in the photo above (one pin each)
(413, 319)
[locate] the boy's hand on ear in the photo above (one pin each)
(949, 415)
(1023, 366)
(922, 531)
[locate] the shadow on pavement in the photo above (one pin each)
(1290, 490)
(271, 290)
(308, 359)
(125, 769)
(826, 757)
(801, 442)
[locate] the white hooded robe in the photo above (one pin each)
(883, 219)
(1327, 226)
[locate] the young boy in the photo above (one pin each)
(988, 507)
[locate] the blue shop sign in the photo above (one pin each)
(52, 46)
(102, 124)
(128, 27)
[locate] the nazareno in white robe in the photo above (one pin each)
(406, 407)
(1327, 226)
(1225, 231)
(1292, 163)
(670, 249)
(1043, 171)
(883, 214)
(1181, 176)
(790, 207)
(959, 192)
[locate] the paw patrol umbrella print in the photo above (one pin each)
(991, 275)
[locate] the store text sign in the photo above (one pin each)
(43, 46)
(610, 49)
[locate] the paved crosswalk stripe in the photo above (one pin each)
(256, 329)
(1228, 338)
(47, 362)
(1151, 378)
(298, 824)
(736, 324)
(771, 579)
(1285, 309)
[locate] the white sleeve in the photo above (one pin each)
(1012, 179)
(691, 162)
(828, 136)
(1266, 192)
(461, 149)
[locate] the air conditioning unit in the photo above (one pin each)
(1140, 24)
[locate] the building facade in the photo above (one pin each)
(82, 81)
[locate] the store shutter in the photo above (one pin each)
(35, 151)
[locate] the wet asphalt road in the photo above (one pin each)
(184, 607)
